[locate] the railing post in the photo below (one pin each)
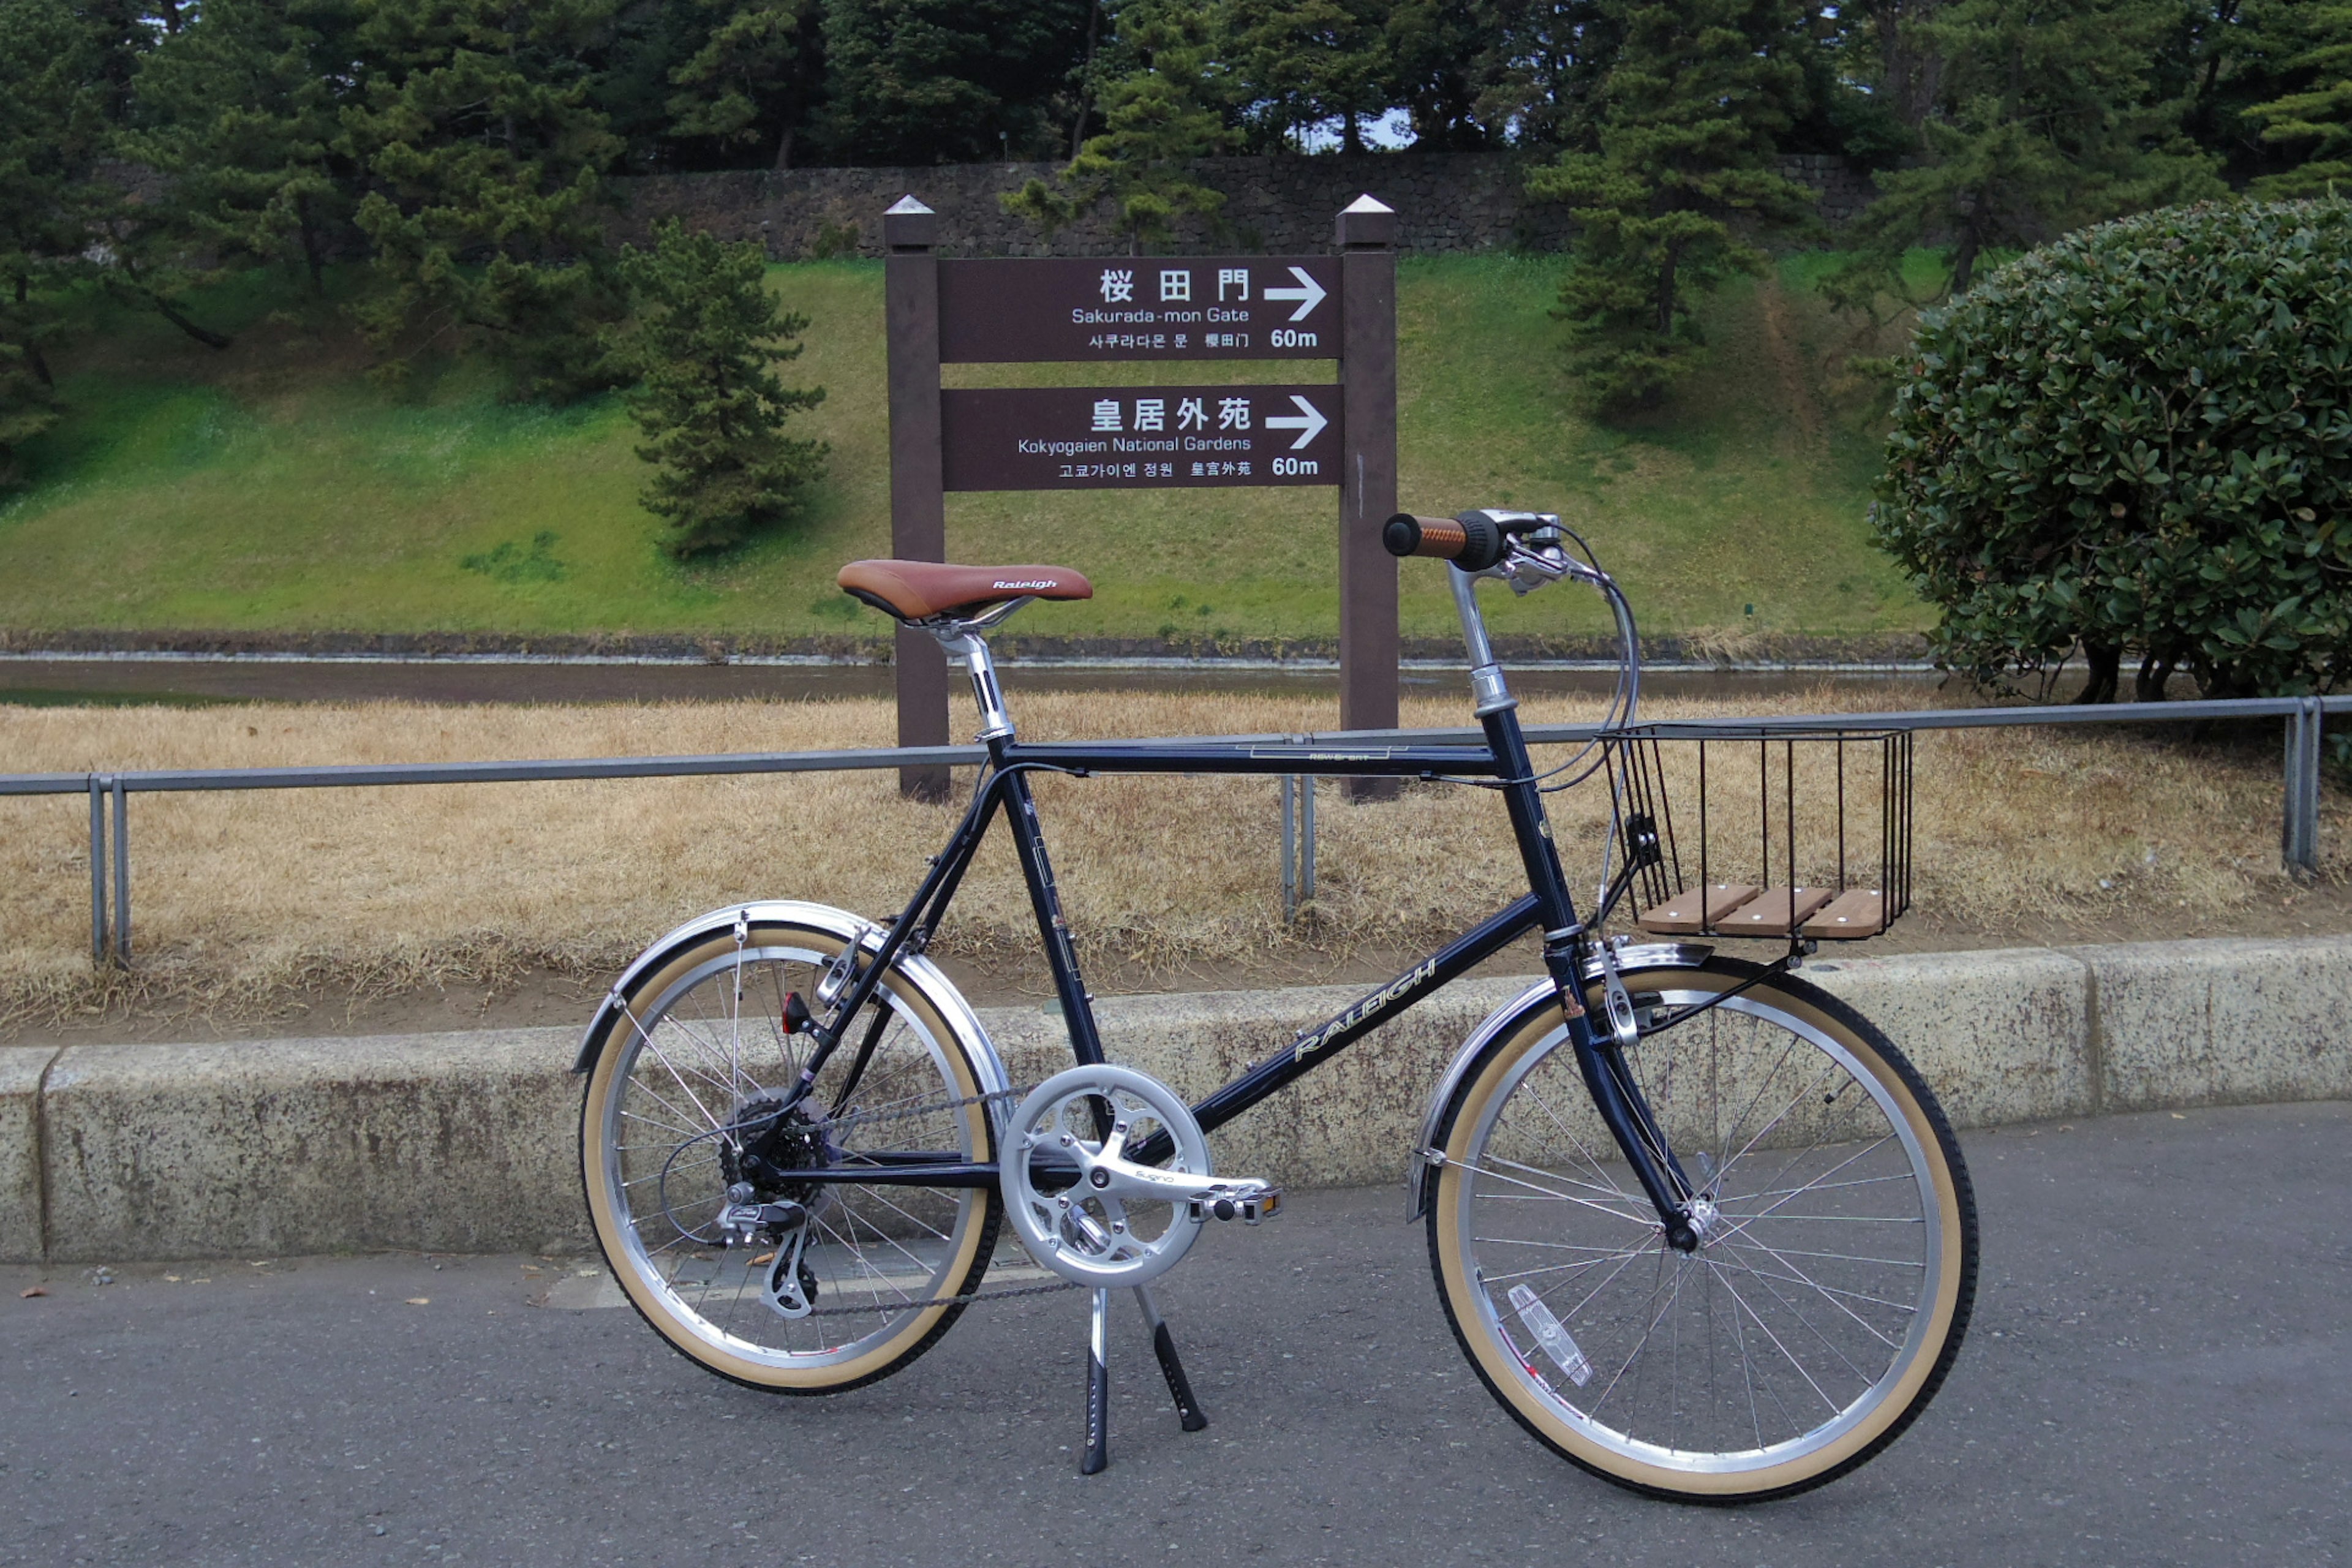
(97, 869)
(121, 874)
(1306, 839)
(1289, 848)
(2299, 833)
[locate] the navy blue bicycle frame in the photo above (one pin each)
(1547, 907)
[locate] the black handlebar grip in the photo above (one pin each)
(1406, 534)
(1470, 542)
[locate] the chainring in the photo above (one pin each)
(1083, 1206)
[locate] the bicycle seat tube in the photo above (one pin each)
(1623, 1110)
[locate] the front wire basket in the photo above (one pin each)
(1769, 832)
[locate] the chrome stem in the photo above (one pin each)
(1487, 682)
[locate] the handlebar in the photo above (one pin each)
(1474, 542)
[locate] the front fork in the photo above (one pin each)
(1626, 1112)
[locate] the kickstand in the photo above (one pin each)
(1097, 1456)
(1163, 1345)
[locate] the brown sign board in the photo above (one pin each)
(1138, 437)
(1000, 310)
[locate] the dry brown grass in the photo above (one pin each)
(241, 899)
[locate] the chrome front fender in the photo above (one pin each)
(1506, 1019)
(919, 972)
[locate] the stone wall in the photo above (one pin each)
(1445, 202)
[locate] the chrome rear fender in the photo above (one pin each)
(920, 974)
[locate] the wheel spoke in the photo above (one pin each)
(1559, 1196)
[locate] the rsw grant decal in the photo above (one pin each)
(1308, 1043)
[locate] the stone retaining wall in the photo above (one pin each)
(457, 1142)
(1445, 202)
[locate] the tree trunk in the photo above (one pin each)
(205, 335)
(2105, 664)
(1351, 135)
(1964, 258)
(784, 150)
(2201, 112)
(1666, 290)
(307, 224)
(1086, 82)
(32, 349)
(2153, 671)
(1912, 70)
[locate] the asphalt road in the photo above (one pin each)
(2160, 1372)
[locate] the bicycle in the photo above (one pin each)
(1697, 1223)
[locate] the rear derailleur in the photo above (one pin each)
(766, 1142)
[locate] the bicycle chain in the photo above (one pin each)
(963, 1301)
(859, 1118)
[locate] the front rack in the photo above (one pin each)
(1837, 801)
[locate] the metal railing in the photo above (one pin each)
(2303, 718)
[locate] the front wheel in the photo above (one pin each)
(687, 1100)
(1826, 1301)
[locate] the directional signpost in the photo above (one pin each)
(1087, 437)
(1208, 307)
(1021, 310)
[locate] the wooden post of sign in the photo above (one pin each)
(918, 521)
(1368, 478)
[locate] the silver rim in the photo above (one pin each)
(1812, 1296)
(713, 1042)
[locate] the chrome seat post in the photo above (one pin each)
(963, 639)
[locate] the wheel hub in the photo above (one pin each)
(763, 1143)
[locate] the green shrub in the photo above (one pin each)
(2137, 442)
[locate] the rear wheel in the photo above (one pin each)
(684, 1101)
(1823, 1306)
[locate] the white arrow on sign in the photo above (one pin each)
(1309, 421)
(1309, 293)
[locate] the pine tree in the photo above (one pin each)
(2046, 119)
(1686, 116)
(1309, 63)
(702, 339)
(1434, 50)
(2315, 121)
(752, 80)
(51, 133)
(1160, 113)
(240, 111)
(1539, 66)
(486, 164)
(934, 82)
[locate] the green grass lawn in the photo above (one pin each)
(274, 487)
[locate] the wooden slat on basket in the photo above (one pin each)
(1769, 913)
(1688, 913)
(1857, 913)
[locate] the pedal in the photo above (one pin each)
(1245, 1198)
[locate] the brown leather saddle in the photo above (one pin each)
(930, 590)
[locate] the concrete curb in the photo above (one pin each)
(465, 1141)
